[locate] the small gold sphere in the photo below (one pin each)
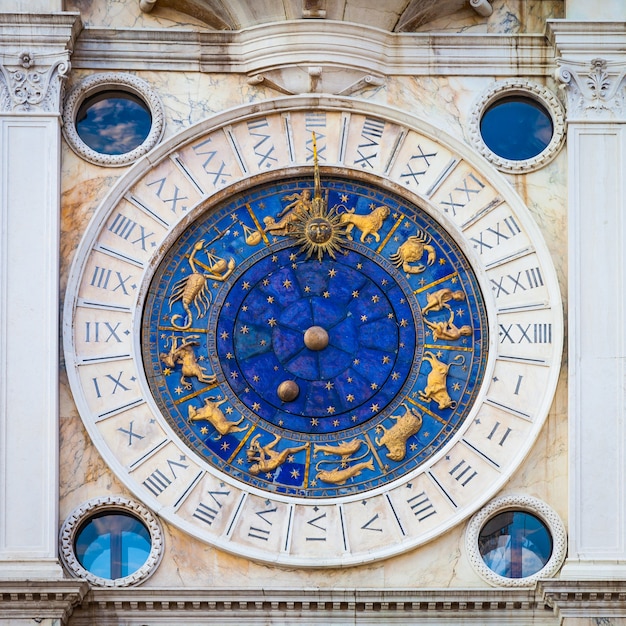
(288, 390)
(315, 338)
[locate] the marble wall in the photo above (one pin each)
(445, 102)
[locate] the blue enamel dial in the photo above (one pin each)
(315, 342)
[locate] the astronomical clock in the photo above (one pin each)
(313, 332)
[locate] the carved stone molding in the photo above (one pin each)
(112, 81)
(285, 607)
(80, 515)
(525, 88)
(596, 90)
(569, 599)
(317, 79)
(516, 503)
(36, 601)
(32, 82)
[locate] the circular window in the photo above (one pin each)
(515, 540)
(515, 544)
(111, 542)
(517, 125)
(112, 119)
(516, 128)
(113, 122)
(112, 545)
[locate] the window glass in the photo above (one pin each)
(515, 544)
(516, 128)
(112, 545)
(113, 122)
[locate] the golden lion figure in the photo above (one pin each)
(368, 224)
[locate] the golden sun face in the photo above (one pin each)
(318, 231)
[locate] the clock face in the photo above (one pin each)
(322, 360)
(313, 365)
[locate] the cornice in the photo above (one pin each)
(50, 30)
(312, 606)
(38, 600)
(582, 598)
(314, 43)
(581, 40)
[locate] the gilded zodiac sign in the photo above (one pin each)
(183, 354)
(214, 415)
(192, 289)
(368, 224)
(436, 381)
(345, 448)
(413, 250)
(447, 331)
(395, 438)
(437, 300)
(300, 203)
(265, 459)
(341, 474)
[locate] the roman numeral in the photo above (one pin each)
(206, 513)
(130, 432)
(368, 524)
(502, 436)
(109, 378)
(422, 164)
(158, 481)
(368, 149)
(421, 506)
(316, 522)
(315, 123)
(217, 170)
(175, 198)
(509, 283)
(124, 227)
(493, 236)
(93, 335)
(264, 147)
(462, 472)
(105, 278)
(525, 333)
(262, 533)
(460, 196)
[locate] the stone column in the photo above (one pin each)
(592, 69)
(34, 63)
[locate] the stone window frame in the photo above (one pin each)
(527, 89)
(110, 504)
(526, 504)
(98, 83)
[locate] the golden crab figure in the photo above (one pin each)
(316, 229)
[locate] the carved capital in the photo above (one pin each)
(596, 90)
(30, 82)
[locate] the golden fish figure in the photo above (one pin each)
(346, 448)
(340, 476)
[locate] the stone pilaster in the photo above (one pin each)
(595, 90)
(31, 88)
